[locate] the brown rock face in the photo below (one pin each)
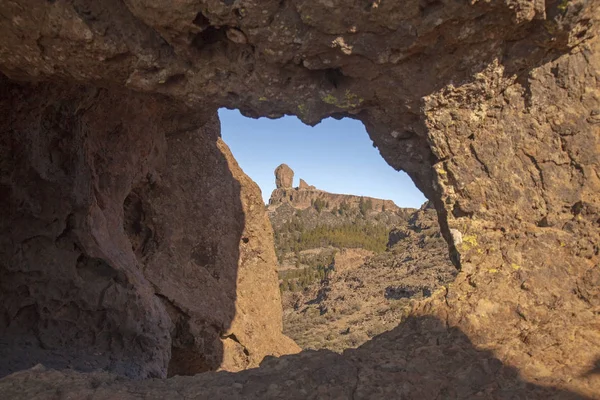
(116, 256)
(284, 177)
(220, 289)
(304, 185)
(72, 293)
(492, 107)
(302, 198)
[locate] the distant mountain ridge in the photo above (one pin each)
(311, 224)
(350, 266)
(305, 196)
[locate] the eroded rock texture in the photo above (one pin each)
(303, 185)
(72, 295)
(305, 196)
(120, 254)
(284, 177)
(419, 359)
(492, 107)
(302, 198)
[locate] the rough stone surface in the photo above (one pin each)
(492, 107)
(118, 251)
(72, 294)
(219, 288)
(396, 364)
(456, 236)
(284, 177)
(304, 185)
(304, 196)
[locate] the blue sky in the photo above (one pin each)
(336, 156)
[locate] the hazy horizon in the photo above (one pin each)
(336, 156)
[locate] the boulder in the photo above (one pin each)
(284, 177)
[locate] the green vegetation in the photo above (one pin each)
(562, 6)
(344, 208)
(319, 268)
(365, 206)
(293, 237)
(299, 279)
(365, 236)
(315, 260)
(319, 204)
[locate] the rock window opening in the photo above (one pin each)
(356, 242)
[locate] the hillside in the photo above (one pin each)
(311, 225)
(350, 266)
(365, 294)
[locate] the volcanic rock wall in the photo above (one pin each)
(131, 240)
(284, 176)
(304, 196)
(490, 106)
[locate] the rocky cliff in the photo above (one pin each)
(284, 177)
(311, 225)
(305, 196)
(122, 256)
(492, 107)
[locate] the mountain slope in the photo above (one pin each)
(366, 294)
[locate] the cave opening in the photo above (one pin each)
(133, 244)
(356, 242)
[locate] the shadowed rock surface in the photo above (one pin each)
(492, 108)
(118, 251)
(392, 365)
